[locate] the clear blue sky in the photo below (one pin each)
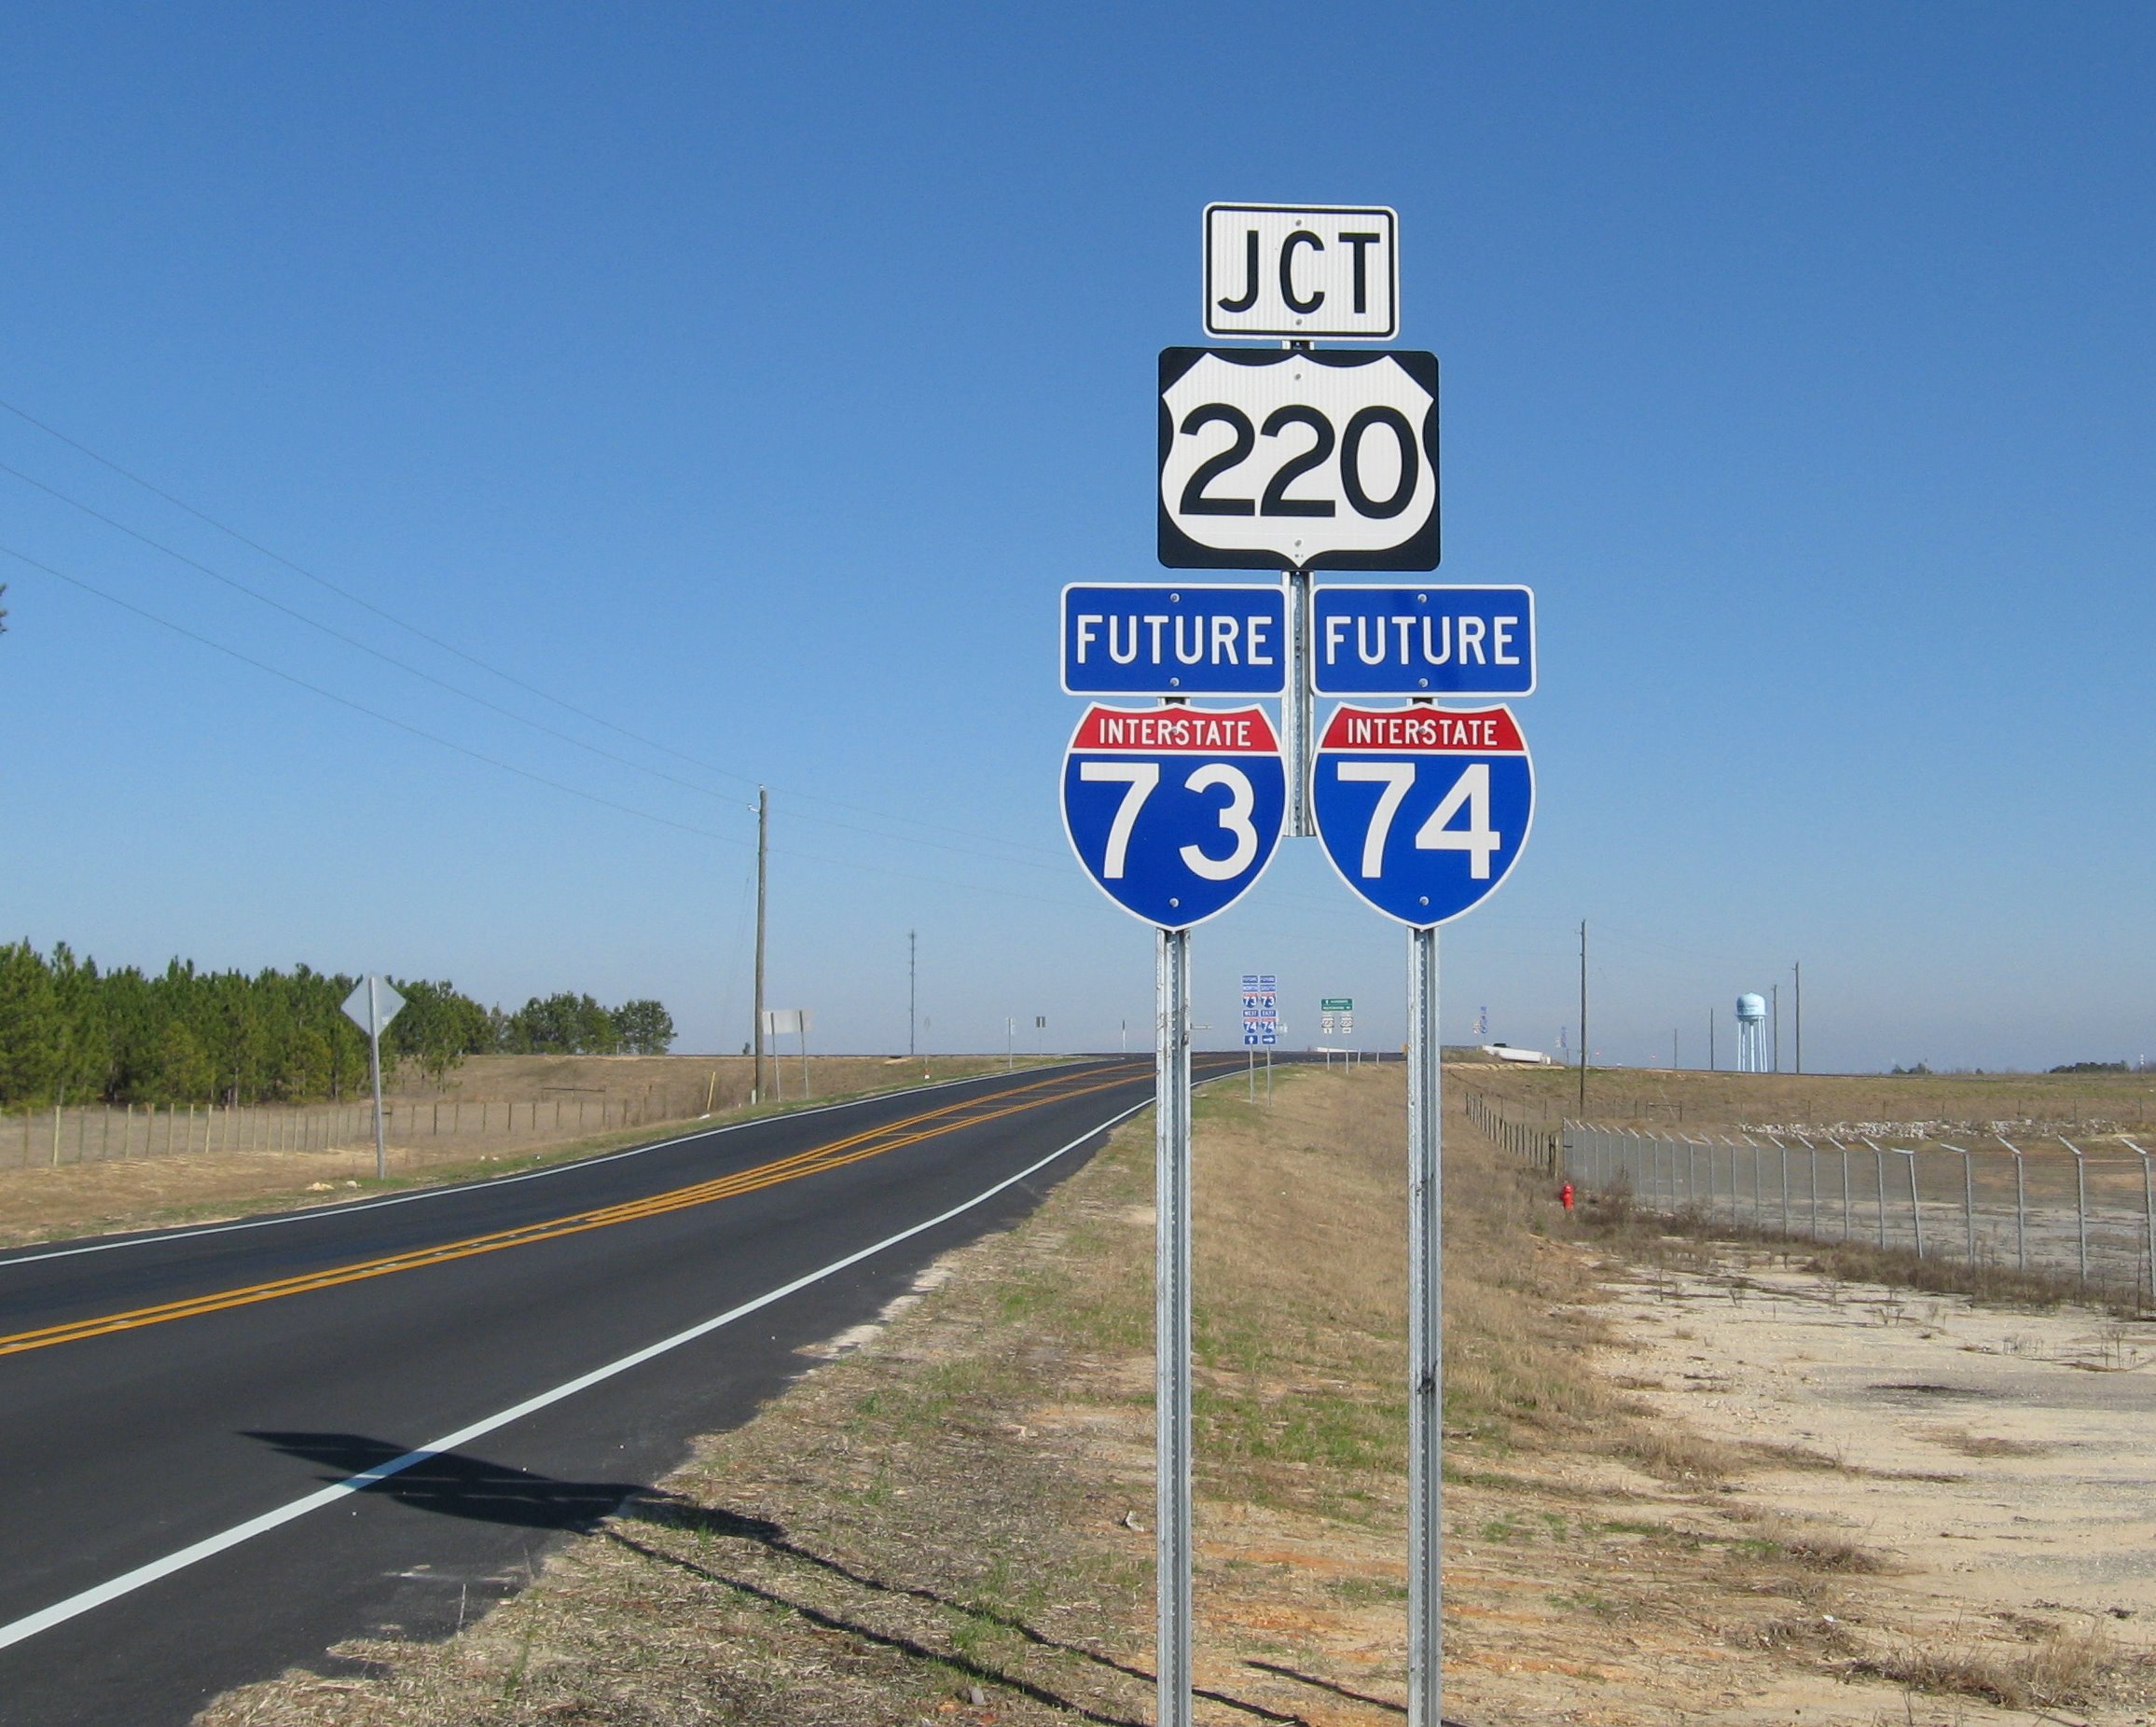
(752, 380)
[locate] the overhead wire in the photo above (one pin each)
(357, 707)
(494, 761)
(442, 684)
(473, 659)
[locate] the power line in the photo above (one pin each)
(354, 641)
(491, 760)
(469, 658)
(372, 714)
(390, 659)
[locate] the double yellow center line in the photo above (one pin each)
(832, 1154)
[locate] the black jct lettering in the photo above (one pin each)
(1361, 266)
(1300, 238)
(1250, 294)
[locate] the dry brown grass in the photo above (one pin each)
(2043, 1102)
(2069, 1669)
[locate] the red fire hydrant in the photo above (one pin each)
(1565, 1196)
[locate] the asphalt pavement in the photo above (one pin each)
(170, 1402)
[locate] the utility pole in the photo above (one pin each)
(1710, 1040)
(910, 996)
(1673, 1049)
(1798, 969)
(1582, 1017)
(1777, 993)
(763, 836)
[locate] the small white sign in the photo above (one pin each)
(788, 1021)
(386, 1003)
(1275, 269)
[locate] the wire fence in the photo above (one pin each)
(1536, 1141)
(2081, 1213)
(56, 1137)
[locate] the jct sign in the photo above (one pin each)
(1273, 269)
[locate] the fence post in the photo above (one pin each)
(2080, 1209)
(1968, 1206)
(1915, 1205)
(2147, 1218)
(1879, 1177)
(2021, 1205)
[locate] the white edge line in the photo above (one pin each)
(60, 1613)
(315, 1213)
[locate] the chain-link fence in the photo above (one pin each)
(2085, 1213)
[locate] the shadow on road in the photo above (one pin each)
(457, 1486)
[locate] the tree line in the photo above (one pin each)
(72, 1032)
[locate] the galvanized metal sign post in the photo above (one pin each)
(371, 1006)
(1423, 811)
(1174, 813)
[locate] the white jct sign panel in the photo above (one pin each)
(1273, 269)
(1305, 460)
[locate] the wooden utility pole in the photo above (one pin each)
(910, 997)
(763, 835)
(1798, 969)
(1582, 1017)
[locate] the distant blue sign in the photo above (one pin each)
(1175, 812)
(1174, 639)
(1422, 641)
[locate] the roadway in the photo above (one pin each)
(183, 1414)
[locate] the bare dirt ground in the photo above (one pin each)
(45, 1204)
(2002, 1463)
(1695, 1485)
